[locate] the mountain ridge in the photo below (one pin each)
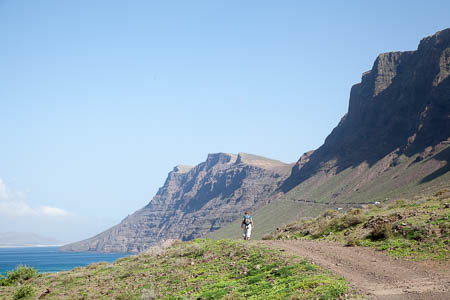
(394, 109)
(194, 201)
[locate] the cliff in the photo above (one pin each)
(194, 201)
(392, 143)
(401, 107)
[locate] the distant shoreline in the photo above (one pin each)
(47, 259)
(29, 246)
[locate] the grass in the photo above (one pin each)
(18, 275)
(199, 269)
(16, 279)
(348, 188)
(23, 292)
(267, 219)
(417, 229)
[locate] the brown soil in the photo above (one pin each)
(377, 275)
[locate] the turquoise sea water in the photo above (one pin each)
(49, 259)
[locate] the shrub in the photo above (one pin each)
(194, 250)
(381, 232)
(417, 232)
(351, 242)
(20, 274)
(267, 237)
(23, 291)
(329, 214)
(341, 223)
(400, 203)
(442, 192)
(355, 211)
(352, 220)
(323, 228)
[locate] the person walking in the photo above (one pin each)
(247, 225)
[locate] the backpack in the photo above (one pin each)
(247, 220)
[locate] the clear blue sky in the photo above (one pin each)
(101, 99)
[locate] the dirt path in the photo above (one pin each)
(374, 273)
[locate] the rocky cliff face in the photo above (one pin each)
(194, 201)
(401, 107)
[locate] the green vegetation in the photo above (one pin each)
(23, 292)
(199, 269)
(265, 220)
(417, 229)
(347, 188)
(18, 275)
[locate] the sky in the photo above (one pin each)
(99, 100)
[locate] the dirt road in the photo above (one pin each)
(377, 275)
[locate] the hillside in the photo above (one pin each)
(199, 269)
(417, 228)
(194, 201)
(400, 108)
(230, 269)
(392, 143)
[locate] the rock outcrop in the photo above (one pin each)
(194, 201)
(401, 107)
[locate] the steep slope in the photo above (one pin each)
(194, 201)
(393, 142)
(400, 107)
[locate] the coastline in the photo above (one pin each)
(30, 246)
(48, 259)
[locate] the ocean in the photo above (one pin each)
(49, 259)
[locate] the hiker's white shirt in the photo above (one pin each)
(247, 230)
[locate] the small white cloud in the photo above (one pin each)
(12, 203)
(53, 211)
